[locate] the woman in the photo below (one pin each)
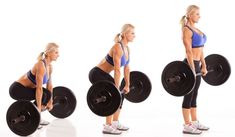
(117, 57)
(30, 85)
(194, 41)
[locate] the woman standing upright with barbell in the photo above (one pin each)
(193, 40)
(117, 57)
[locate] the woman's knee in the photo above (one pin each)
(186, 105)
(187, 101)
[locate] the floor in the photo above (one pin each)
(158, 116)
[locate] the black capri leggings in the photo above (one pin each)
(96, 74)
(19, 92)
(190, 100)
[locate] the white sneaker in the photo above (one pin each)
(190, 129)
(108, 129)
(44, 123)
(199, 126)
(119, 126)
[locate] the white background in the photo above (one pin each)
(85, 29)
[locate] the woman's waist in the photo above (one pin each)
(105, 66)
(25, 81)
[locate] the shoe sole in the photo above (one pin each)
(43, 124)
(123, 129)
(40, 127)
(203, 129)
(191, 133)
(105, 132)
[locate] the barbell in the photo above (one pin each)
(178, 78)
(23, 117)
(104, 99)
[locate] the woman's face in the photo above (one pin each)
(195, 16)
(130, 35)
(54, 54)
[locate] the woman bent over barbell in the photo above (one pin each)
(194, 41)
(117, 57)
(30, 85)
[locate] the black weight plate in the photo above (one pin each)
(186, 82)
(140, 87)
(107, 90)
(32, 118)
(65, 101)
(221, 70)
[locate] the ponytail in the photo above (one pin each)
(183, 21)
(117, 38)
(41, 56)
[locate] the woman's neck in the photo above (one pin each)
(48, 61)
(191, 23)
(124, 42)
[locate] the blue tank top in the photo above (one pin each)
(198, 40)
(124, 62)
(32, 77)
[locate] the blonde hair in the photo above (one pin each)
(125, 29)
(49, 48)
(189, 11)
